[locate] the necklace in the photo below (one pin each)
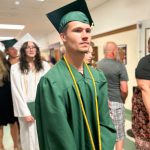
(82, 106)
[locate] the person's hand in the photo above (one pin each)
(109, 104)
(123, 100)
(29, 119)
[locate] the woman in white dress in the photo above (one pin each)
(25, 76)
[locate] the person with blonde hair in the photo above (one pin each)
(6, 105)
(89, 56)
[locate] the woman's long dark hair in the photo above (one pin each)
(23, 61)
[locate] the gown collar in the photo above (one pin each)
(78, 75)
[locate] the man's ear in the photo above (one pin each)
(63, 37)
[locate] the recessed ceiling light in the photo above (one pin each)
(40, 0)
(11, 26)
(5, 38)
(17, 2)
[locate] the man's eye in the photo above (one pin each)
(88, 31)
(77, 30)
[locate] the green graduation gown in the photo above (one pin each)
(60, 122)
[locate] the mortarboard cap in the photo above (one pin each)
(75, 11)
(25, 38)
(9, 43)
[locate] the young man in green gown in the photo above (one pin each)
(72, 103)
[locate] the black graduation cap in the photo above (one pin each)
(78, 5)
(9, 43)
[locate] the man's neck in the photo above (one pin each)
(110, 56)
(76, 60)
(13, 60)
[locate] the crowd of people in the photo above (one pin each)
(74, 105)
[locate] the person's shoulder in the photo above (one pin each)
(118, 64)
(55, 77)
(105, 61)
(45, 62)
(54, 72)
(99, 63)
(15, 66)
(46, 65)
(98, 74)
(145, 58)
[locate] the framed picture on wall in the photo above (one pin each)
(147, 36)
(122, 53)
(54, 52)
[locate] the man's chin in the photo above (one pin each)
(83, 50)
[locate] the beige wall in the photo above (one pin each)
(129, 38)
(114, 14)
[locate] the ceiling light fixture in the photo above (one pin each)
(17, 2)
(5, 38)
(10, 26)
(40, 0)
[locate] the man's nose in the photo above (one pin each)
(84, 34)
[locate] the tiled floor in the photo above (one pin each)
(129, 142)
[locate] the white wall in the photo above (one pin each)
(114, 14)
(54, 38)
(119, 13)
(143, 36)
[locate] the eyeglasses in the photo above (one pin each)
(32, 47)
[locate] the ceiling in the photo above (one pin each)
(31, 13)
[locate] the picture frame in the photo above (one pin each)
(54, 52)
(147, 36)
(122, 50)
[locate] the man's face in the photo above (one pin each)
(30, 50)
(12, 52)
(77, 37)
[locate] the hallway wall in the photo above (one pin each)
(114, 14)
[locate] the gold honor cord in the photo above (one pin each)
(97, 112)
(82, 107)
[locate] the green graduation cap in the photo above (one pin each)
(75, 11)
(9, 43)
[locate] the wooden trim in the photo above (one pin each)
(124, 29)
